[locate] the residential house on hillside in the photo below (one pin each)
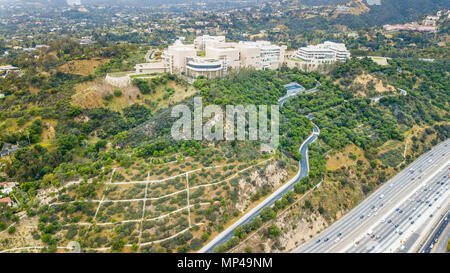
(6, 201)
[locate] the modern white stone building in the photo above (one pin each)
(150, 68)
(175, 56)
(261, 55)
(312, 56)
(202, 42)
(230, 55)
(207, 67)
(212, 56)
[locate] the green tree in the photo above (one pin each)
(118, 244)
(117, 93)
(3, 226)
(274, 231)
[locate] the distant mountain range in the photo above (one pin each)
(321, 2)
(399, 3)
(141, 3)
(395, 11)
(381, 11)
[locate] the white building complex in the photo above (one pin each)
(202, 42)
(212, 56)
(5, 69)
(261, 55)
(312, 56)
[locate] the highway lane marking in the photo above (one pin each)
(391, 238)
(440, 237)
(403, 220)
(371, 222)
(358, 228)
(420, 208)
(365, 205)
(419, 161)
(418, 246)
(399, 184)
(425, 224)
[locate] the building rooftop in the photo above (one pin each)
(293, 88)
(179, 46)
(258, 44)
(325, 46)
(8, 67)
(6, 200)
(151, 65)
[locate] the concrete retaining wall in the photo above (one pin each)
(120, 81)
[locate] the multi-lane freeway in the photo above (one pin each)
(397, 216)
(440, 233)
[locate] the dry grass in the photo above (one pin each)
(91, 95)
(361, 82)
(82, 67)
(48, 133)
(339, 159)
(364, 79)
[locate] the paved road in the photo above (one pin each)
(399, 90)
(269, 201)
(439, 237)
(282, 100)
(408, 227)
(9, 151)
(148, 55)
(410, 183)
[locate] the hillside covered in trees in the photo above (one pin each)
(74, 152)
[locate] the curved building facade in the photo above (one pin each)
(209, 68)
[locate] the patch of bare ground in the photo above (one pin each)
(343, 158)
(94, 94)
(91, 95)
(272, 176)
(23, 236)
(303, 221)
(365, 85)
(82, 67)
